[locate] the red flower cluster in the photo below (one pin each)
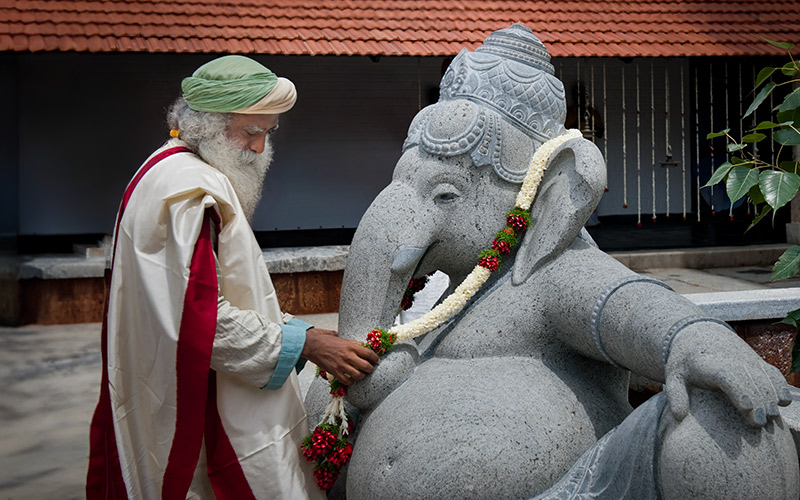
(328, 452)
(322, 442)
(339, 392)
(341, 456)
(490, 259)
(517, 221)
(325, 478)
(501, 246)
(380, 341)
(417, 284)
(490, 263)
(414, 286)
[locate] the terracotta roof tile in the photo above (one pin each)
(576, 28)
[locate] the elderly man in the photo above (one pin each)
(199, 396)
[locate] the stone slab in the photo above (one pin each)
(79, 265)
(748, 305)
(306, 259)
(702, 258)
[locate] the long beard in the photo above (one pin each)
(245, 169)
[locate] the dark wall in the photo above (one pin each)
(87, 121)
(9, 150)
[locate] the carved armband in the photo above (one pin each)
(600, 304)
(678, 326)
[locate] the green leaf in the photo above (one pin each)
(793, 318)
(740, 180)
(787, 265)
(791, 101)
(760, 98)
(789, 69)
(789, 116)
(778, 187)
(735, 147)
(768, 125)
(718, 134)
(783, 45)
(787, 137)
(756, 196)
(758, 218)
(763, 75)
(790, 166)
(753, 138)
(719, 174)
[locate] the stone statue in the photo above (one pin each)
(524, 391)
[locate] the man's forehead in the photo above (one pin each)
(255, 121)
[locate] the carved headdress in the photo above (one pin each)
(503, 90)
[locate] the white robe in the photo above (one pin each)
(162, 280)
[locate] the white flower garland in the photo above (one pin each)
(475, 280)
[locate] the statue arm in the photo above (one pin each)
(641, 325)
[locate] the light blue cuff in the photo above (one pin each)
(293, 340)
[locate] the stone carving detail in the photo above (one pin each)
(511, 81)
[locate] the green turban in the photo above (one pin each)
(237, 84)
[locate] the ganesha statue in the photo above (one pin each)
(520, 389)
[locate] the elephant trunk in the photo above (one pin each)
(391, 239)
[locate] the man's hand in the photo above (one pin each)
(719, 360)
(347, 360)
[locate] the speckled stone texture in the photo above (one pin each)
(506, 396)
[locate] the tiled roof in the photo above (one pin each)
(587, 28)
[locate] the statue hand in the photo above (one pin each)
(395, 368)
(706, 356)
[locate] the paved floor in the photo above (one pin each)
(49, 381)
(50, 375)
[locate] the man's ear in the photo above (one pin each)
(570, 191)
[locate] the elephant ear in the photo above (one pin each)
(568, 194)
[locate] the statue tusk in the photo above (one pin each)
(405, 257)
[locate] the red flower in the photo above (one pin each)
(417, 284)
(340, 392)
(341, 456)
(322, 441)
(380, 341)
(501, 246)
(491, 263)
(323, 374)
(310, 453)
(325, 478)
(517, 222)
(406, 302)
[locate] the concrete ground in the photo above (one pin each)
(50, 375)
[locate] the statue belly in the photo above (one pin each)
(479, 428)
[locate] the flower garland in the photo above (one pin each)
(328, 446)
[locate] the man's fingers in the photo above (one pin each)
(369, 355)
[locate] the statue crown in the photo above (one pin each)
(512, 74)
(503, 93)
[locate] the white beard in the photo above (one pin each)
(245, 169)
